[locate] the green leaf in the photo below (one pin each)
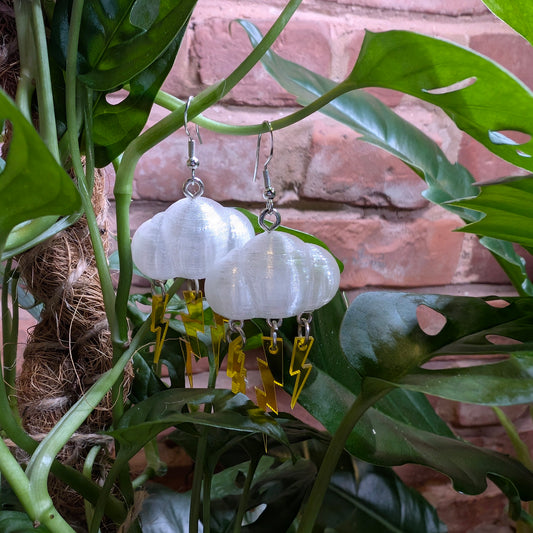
(518, 14)
(327, 357)
(507, 209)
(15, 522)
(116, 125)
(166, 510)
(120, 38)
(274, 499)
(382, 338)
(145, 382)
(481, 97)
(508, 382)
(402, 427)
(351, 503)
(512, 263)
(31, 233)
(383, 440)
(32, 184)
(369, 498)
(381, 127)
(227, 488)
(168, 408)
(306, 237)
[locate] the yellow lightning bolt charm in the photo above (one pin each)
(298, 366)
(236, 370)
(217, 335)
(159, 324)
(193, 322)
(266, 398)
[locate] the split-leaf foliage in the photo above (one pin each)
(370, 374)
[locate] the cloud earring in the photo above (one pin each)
(186, 239)
(274, 275)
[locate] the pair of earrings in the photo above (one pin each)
(272, 275)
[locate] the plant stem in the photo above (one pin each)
(87, 472)
(243, 501)
(206, 503)
(98, 510)
(154, 465)
(196, 490)
(18, 481)
(524, 456)
(41, 461)
(370, 393)
(83, 183)
(10, 324)
(520, 447)
(47, 119)
(175, 104)
(10, 424)
(118, 336)
(26, 45)
(89, 143)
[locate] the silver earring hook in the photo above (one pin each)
(269, 193)
(266, 176)
(186, 122)
(194, 186)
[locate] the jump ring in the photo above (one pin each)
(236, 326)
(193, 187)
(274, 224)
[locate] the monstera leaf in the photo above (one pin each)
(482, 98)
(380, 126)
(132, 43)
(381, 342)
(506, 208)
(120, 38)
(32, 183)
(115, 125)
(382, 339)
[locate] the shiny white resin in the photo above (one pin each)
(187, 238)
(148, 250)
(274, 275)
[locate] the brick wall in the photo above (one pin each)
(364, 203)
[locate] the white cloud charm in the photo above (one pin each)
(274, 275)
(187, 238)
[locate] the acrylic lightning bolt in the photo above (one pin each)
(266, 398)
(217, 335)
(299, 367)
(159, 324)
(194, 323)
(236, 370)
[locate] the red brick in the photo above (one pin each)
(344, 169)
(478, 264)
(438, 7)
(218, 53)
(182, 80)
(462, 513)
(468, 416)
(226, 164)
(509, 50)
(376, 252)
